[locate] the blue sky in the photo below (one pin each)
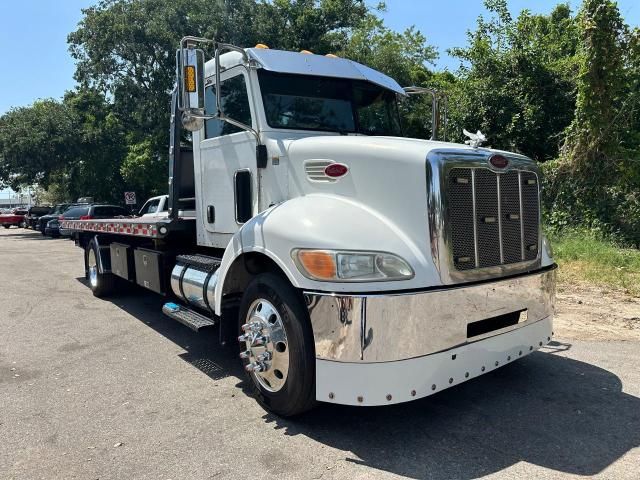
(38, 65)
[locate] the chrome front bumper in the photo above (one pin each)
(392, 327)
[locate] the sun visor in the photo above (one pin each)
(319, 65)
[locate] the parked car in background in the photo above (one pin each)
(15, 218)
(52, 229)
(90, 212)
(155, 207)
(56, 211)
(34, 213)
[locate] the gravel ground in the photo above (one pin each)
(114, 390)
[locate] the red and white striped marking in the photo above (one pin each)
(110, 226)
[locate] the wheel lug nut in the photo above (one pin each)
(261, 340)
(254, 367)
(252, 327)
(264, 357)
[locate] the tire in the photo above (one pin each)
(101, 284)
(293, 393)
(6, 226)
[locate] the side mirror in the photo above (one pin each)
(190, 75)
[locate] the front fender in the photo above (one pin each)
(326, 222)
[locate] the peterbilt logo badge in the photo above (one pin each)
(498, 161)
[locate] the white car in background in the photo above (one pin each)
(155, 207)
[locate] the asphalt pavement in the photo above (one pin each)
(112, 389)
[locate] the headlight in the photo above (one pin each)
(346, 266)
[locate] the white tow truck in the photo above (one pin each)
(354, 266)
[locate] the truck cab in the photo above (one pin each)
(357, 266)
(155, 207)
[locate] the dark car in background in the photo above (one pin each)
(52, 229)
(34, 214)
(56, 211)
(89, 212)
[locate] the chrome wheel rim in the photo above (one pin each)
(93, 268)
(266, 346)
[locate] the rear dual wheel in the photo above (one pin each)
(277, 345)
(101, 284)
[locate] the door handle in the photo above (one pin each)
(211, 214)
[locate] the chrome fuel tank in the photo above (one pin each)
(194, 281)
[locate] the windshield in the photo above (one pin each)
(305, 102)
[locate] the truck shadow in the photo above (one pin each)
(203, 349)
(545, 409)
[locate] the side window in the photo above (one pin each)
(235, 104)
(152, 206)
(101, 211)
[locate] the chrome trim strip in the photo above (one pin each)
(499, 218)
(521, 215)
(475, 217)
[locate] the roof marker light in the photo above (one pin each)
(262, 46)
(307, 52)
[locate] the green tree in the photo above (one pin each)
(516, 80)
(596, 180)
(34, 143)
(73, 147)
(126, 49)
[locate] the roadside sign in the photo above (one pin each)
(130, 198)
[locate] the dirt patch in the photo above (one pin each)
(588, 312)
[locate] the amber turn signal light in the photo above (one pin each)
(319, 264)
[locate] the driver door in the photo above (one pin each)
(228, 157)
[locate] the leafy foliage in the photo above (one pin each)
(562, 88)
(596, 180)
(516, 80)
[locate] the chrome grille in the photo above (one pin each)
(493, 217)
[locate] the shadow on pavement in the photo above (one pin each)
(545, 409)
(203, 349)
(22, 233)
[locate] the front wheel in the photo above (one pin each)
(101, 284)
(6, 226)
(277, 345)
